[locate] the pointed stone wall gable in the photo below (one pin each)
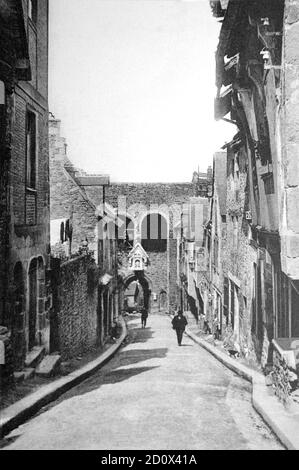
(138, 258)
(138, 250)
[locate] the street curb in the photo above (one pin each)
(282, 422)
(16, 414)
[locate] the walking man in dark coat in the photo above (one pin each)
(179, 323)
(144, 315)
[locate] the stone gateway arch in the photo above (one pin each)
(149, 214)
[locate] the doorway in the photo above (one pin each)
(32, 304)
(163, 300)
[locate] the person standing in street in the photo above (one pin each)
(179, 323)
(144, 315)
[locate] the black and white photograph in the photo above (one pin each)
(149, 228)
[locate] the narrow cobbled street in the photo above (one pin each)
(152, 395)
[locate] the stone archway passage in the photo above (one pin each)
(144, 283)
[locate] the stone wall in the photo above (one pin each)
(137, 199)
(69, 200)
(7, 368)
(75, 306)
(289, 117)
(145, 193)
(157, 272)
(238, 255)
(5, 151)
(174, 297)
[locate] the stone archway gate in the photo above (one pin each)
(139, 199)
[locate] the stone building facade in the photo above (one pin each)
(24, 224)
(192, 260)
(216, 241)
(69, 201)
(202, 183)
(153, 210)
(79, 243)
(237, 256)
(256, 65)
(145, 213)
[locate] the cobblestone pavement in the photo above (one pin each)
(152, 395)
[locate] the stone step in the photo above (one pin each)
(49, 366)
(19, 376)
(24, 374)
(34, 357)
(29, 373)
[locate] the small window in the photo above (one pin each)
(32, 10)
(31, 150)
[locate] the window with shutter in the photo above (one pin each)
(31, 150)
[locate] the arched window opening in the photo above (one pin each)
(154, 233)
(125, 232)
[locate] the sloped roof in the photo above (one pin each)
(139, 250)
(93, 180)
(84, 181)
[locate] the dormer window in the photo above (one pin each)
(32, 10)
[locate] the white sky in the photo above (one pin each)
(133, 83)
